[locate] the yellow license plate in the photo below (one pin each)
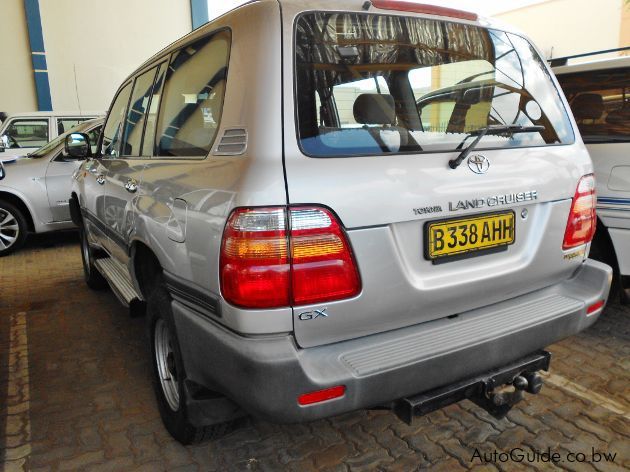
(465, 237)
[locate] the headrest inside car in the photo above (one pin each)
(374, 109)
(588, 106)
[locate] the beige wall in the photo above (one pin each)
(101, 42)
(17, 86)
(566, 27)
(98, 42)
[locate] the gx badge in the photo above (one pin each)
(311, 315)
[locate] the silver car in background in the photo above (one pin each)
(34, 191)
(23, 133)
(307, 242)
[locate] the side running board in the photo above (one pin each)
(118, 279)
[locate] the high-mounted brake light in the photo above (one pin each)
(264, 265)
(400, 5)
(582, 218)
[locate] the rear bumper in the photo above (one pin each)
(266, 375)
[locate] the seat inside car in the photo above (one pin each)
(376, 112)
(588, 108)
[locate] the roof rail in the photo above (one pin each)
(562, 61)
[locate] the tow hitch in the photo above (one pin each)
(496, 391)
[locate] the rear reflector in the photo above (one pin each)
(582, 218)
(265, 265)
(322, 395)
(400, 5)
(594, 307)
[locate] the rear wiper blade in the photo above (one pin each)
(492, 129)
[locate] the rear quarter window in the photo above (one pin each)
(192, 101)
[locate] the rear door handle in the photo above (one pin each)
(131, 185)
(100, 179)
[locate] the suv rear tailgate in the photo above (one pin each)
(374, 199)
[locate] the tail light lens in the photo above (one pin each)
(254, 259)
(265, 265)
(582, 219)
(323, 266)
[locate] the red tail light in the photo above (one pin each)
(400, 5)
(582, 219)
(265, 266)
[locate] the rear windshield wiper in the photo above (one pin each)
(492, 129)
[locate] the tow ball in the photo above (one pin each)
(499, 401)
(496, 391)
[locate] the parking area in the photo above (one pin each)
(75, 393)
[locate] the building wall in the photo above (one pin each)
(17, 86)
(91, 46)
(565, 27)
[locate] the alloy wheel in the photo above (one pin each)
(165, 362)
(9, 229)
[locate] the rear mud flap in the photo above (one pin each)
(496, 391)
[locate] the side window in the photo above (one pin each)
(66, 124)
(112, 131)
(193, 95)
(600, 102)
(93, 135)
(149, 134)
(25, 133)
(136, 116)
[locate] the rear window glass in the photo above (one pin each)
(600, 101)
(379, 84)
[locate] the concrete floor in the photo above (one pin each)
(75, 392)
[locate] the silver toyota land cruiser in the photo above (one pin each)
(327, 206)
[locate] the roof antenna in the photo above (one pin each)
(367, 5)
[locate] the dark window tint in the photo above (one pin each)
(113, 129)
(378, 84)
(192, 101)
(136, 116)
(93, 135)
(25, 133)
(151, 117)
(600, 101)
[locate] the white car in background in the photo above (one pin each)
(23, 133)
(598, 92)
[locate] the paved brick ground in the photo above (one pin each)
(75, 393)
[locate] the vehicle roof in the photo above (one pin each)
(597, 64)
(316, 5)
(54, 113)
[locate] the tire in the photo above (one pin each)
(602, 250)
(169, 373)
(92, 276)
(13, 228)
